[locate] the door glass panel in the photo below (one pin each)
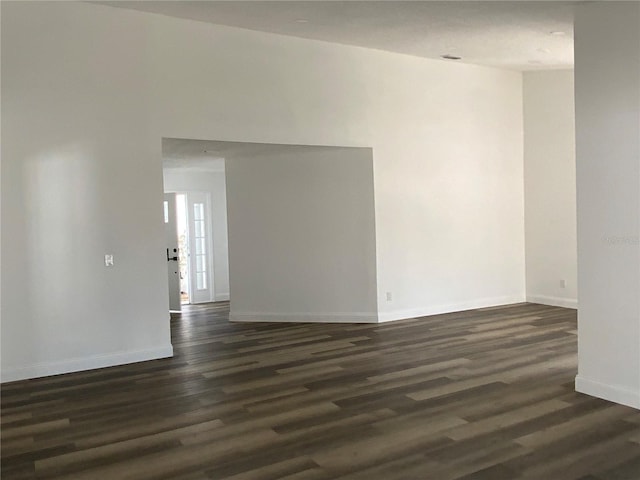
(198, 211)
(200, 263)
(201, 281)
(200, 253)
(200, 248)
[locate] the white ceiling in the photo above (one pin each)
(191, 155)
(209, 155)
(506, 34)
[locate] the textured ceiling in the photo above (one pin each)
(507, 34)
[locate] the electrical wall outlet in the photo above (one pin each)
(563, 284)
(389, 296)
(108, 260)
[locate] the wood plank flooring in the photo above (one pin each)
(483, 394)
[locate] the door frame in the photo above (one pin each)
(209, 245)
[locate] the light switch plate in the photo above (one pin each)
(108, 260)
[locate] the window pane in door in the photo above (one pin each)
(201, 280)
(200, 263)
(200, 246)
(198, 211)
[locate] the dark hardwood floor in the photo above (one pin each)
(483, 394)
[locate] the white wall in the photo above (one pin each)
(550, 188)
(90, 90)
(607, 76)
(302, 235)
(447, 142)
(449, 187)
(176, 180)
(81, 177)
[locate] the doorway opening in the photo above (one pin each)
(189, 248)
(195, 184)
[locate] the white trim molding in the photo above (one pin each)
(221, 297)
(553, 301)
(613, 393)
(394, 315)
(91, 362)
(338, 317)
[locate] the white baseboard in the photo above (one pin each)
(553, 301)
(221, 297)
(46, 369)
(613, 393)
(393, 315)
(348, 317)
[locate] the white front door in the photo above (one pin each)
(200, 248)
(171, 235)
